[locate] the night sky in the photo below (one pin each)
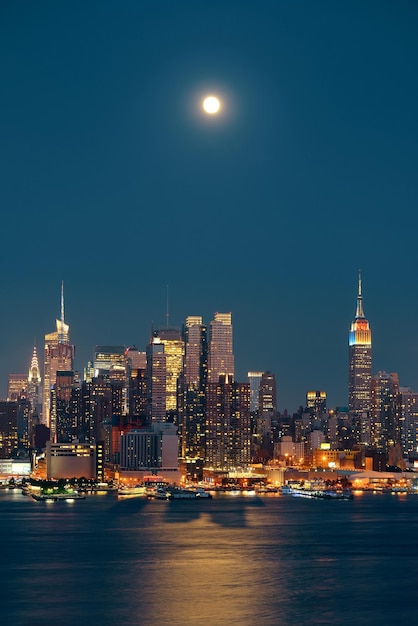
(113, 180)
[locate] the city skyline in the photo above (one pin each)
(114, 181)
(241, 373)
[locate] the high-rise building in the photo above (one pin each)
(267, 397)
(360, 367)
(58, 356)
(408, 419)
(172, 340)
(8, 429)
(109, 359)
(385, 427)
(156, 381)
(221, 356)
(17, 387)
(61, 414)
(254, 378)
(192, 396)
(316, 403)
(34, 383)
(228, 431)
(136, 390)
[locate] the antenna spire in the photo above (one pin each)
(62, 301)
(359, 311)
(167, 314)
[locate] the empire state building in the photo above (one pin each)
(360, 362)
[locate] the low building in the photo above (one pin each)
(148, 451)
(74, 460)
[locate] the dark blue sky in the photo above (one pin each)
(112, 179)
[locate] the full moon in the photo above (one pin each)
(211, 105)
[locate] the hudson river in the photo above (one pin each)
(250, 561)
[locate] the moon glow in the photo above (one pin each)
(211, 105)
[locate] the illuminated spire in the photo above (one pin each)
(359, 311)
(34, 372)
(62, 327)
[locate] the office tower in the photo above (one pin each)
(228, 432)
(109, 359)
(385, 431)
(8, 429)
(360, 367)
(192, 396)
(254, 378)
(136, 389)
(58, 356)
(172, 340)
(316, 403)
(24, 425)
(267, 397)
(408, 420)
(221, 356)
(17, 387)
(61, 413)
(156, 381)
(34, 383)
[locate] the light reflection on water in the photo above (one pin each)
(245, 561)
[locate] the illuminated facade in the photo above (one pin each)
(360, 368)
(385, 426)
(34, 382)
(173, 343)
(192, 396)
(221, 356)
(156, 381)
(58, 355)
(254, 378)
(228, 432)
(17, 387)
(8, 429)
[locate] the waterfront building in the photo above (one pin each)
(360, 367)
(58, 356)
(74, 460)
(151, 450)
(221, 356)
(228, 432)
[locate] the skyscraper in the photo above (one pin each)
(192, 396)
(173, 343)
(385, 426)
(59, 355)
(254, 378)
(34, 383)
(360, 367)
(228, 432)
(221, 356)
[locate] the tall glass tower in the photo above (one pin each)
(58, 355)
(360, 367)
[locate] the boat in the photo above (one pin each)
(55, 497)
(202, 493)
(325, 494)
(286, 490)
(137, 490)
